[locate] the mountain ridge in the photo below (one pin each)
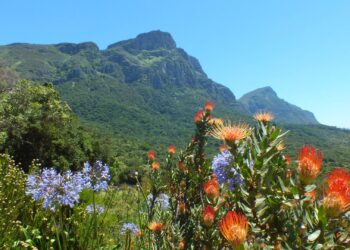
(266, 99)
(149, 95)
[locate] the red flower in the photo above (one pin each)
(338, 180)
(155, 165)
(208, 216)
(151, 155)
(338, 193)
(309, 164)
(156, 227)
(211, 188)
(198, 116)
(209, 106)
(234, 227)
(171, 149)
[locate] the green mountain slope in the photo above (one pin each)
(144, 90)
(266, 99)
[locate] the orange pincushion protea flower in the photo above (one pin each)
(263, 117)
(339, 180)
(171, 149)
(216, 122)
(209, 106)
(309, 164)
(336, 203)
(208, 215)
(211, 188)
(151, 155)
(234, 227)
(337, 199)
(198, 116)
(155, 165)
(231, 133)
(156, 227)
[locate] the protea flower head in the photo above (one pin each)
(338, 180)
(151, 155)
(198, 116)
(208, 106)
(234, 228)
(155, 165)
(156, 227)
(337, 199)
(171, 149)
(231, 133)
(208, 215)
(211, 188)
(309, 164)
(263, 117)
(216, 121)
(336, 203)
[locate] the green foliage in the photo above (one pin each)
(142, 93)
(36, 124)
(15, 206)
(280, 212)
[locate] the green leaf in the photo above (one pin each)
(312, 237)
(310, 188)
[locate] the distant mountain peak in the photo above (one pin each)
(152, 40)
(266, 99)
(266, 91)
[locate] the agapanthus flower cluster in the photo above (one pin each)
(98, 209)
(129, 228)
(97, 175)
(225, 172)
(56, 189)
(162, 200)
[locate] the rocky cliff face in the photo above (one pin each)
(140, 87)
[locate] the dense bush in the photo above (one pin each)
(36, 124)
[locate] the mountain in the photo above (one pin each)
(144, 87)
(144, 90)
(266, 99)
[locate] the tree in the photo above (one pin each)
(36, 124)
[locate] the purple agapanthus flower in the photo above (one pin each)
(129, 228)
(97, 176)
(90, 209)
(162, 200)
(55, 189)
(225, 172)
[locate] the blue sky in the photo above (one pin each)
(299, 48)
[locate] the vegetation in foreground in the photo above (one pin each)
(250, 196)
